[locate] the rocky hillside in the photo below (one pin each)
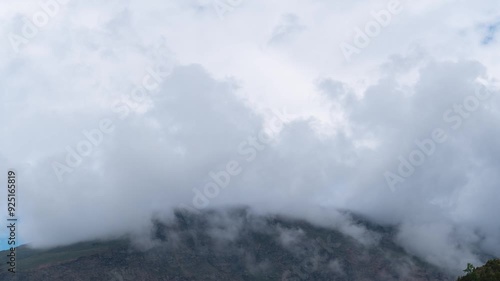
(231, 246)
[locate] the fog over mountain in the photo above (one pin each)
(119, 113)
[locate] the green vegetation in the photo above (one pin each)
(488, 272)
(201, 247)
(29, 259)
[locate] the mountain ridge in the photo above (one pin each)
(229, 245)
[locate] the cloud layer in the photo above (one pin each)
(184, 91)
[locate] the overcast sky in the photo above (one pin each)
(112, 112)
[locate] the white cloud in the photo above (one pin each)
(280, 54)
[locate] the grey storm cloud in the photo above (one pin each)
(161, 144)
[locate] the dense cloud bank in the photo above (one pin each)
(113, 120)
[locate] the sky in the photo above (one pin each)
(118, 111)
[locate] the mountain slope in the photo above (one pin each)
(230, 245)
(488, 272)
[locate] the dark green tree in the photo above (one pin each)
(488, 272)
(470, 268)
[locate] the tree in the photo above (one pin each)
(488, 272)
(470, 268)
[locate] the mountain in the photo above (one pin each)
(229, 245)
(488, 272)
